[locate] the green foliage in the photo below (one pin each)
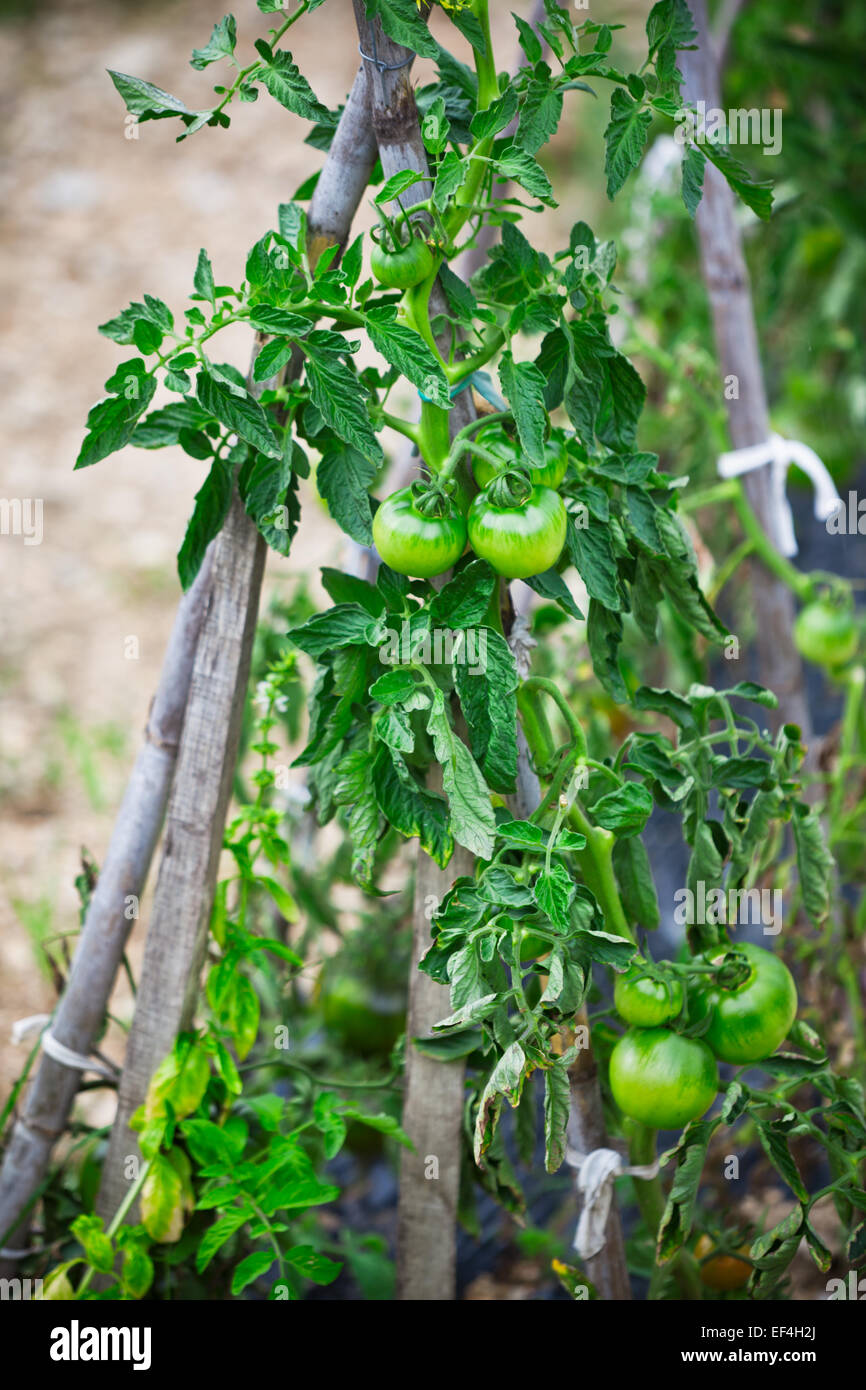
(413, 729)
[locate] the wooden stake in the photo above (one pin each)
(433, 1091)
(177, 936)
(112, 911)
(727, 280)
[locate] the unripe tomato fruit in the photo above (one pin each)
(748, 1023)
(826, 634)
(415, 544)
(644, 1002)
(662, 1079)
(547, 474)
(532, 947)
(722, 1273)
(403, 269)
(522, 540)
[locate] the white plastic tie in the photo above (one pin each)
(23, 1027)
(779, 453)
(595, 1178)
(57, 1051)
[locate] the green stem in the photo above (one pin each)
(855, 684)
(434, 440)
(709, 496)
(252, 67)
(328, 1082)
(732, 491)
(596, 865)
(402, 427)
(488, 91)
(117, 1221)
(799, 583)
(651, 1201)
(547, 687)
(415, 309)
(728, 568)
(536, 726)
(461, 370)
(596, 861)
(351, 317)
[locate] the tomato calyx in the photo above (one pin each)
(431, 498)
(733, 971)
(510, 488)
(393, 238)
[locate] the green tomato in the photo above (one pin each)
(547, 474)
(361, 1019)
(661, 1078)
(403, 269)
(748, 1023)
(415, 544)
(644, 1002)
(518, 541)
(826, 634)
(532, 947)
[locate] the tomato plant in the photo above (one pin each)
(721, 1271)
(427, 721)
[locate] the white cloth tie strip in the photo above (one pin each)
(57, 1051)
(595, 1178)
(779, 454)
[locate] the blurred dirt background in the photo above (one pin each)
(90, 220)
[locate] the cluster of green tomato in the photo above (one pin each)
(663, 1078)
(517, 521)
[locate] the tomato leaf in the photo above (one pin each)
(287, 85)
(634, 879)
(251, 1269)
(410, 807)
(404, 349)
(523, 386)
(486, 680)
(690, 1155)
(212, 503)
(343, 478)
(624, 138)
(557, 1098)
(814, 863)
(339, 396)
(472, 821)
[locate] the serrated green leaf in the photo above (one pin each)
(241, 414)
(406, 350)
(287, 85)
(221, 44)
(625, 138)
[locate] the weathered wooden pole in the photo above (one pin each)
(433, 1091)
(177, 935)
(726, 277)
(110, 916)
